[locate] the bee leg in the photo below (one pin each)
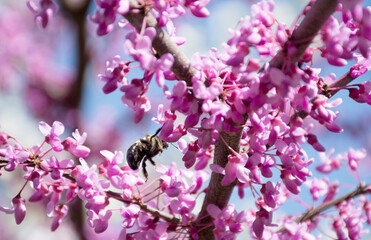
(153, 162)
(154, 135)
(158, 130)
(144, 169)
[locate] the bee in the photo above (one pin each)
(145, 149)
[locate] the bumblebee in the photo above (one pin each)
(145, 149)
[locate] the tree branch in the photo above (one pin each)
(168, 217)
(312, 213)
(304, 34)
(342, 82)
(162, 43)
(155, 212)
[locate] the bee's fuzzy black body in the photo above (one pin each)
(143, 150)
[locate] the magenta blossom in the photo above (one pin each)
(114, 74)
(52, 134)
(74, 145)
(14, 157)
(105, 15)
(129, 214)
(329, 163)
(228, 222)
(59, 213)
(318, 187)
(99, 221)
(354, 156)
(44, 12)
(235, 168)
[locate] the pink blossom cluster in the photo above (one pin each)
(138, 46)
(351, 218)
(342, 37)
(165, 11)
(227, 222)
(229, 86)
(277, 108)
(51, 177)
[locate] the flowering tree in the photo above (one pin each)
(240, 117)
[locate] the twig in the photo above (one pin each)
(307, 30)
(155, 212)
(312, 213)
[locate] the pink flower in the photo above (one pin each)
(328, 163)
(318, 187)
(264, 12)
(59, 213)
(332, 191)
(202, 92)
(13, 156)
(99, 221)
(321, 112)
(367, 209)
(3, 138)
(74, 145)
(19, 208)
(171, 134)
(135, 98)
(198, 7)
(167, 10)
(58, 167)
(228, 222)
(362, 66)
(354, 156)
(270, 193)
(235, 168)
(114, 74)
(105, 15)
(52, 134)
(351, 215)
(183, 205)
(312, 140)
(129, 214)
(44, 12)
(297, 231)
(363, 94)
(339, 42)
(139, 46)
(263, 218)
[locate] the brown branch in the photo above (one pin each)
(162, 43)
(155, 212)
(342, 82)
(216, 193)
(312, 213)
(307, 30)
